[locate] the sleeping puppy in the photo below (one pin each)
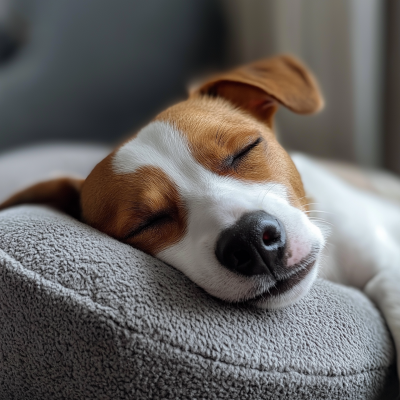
(207, 188)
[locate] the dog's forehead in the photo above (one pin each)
(207, 120)
(206, 131)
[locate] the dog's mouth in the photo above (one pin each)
(284, 285)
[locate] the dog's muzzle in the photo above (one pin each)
(254, 245)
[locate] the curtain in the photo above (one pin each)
(392, 104)
(342, 42)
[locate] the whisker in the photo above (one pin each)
(319, 211)
(319, 219)
(322, 221)
(266, 193)
(310, 204)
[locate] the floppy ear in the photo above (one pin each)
(62, 194)
(259, 87)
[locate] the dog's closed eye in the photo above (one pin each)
(235, 160)
(153, 222)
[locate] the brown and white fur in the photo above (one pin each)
(204, 165)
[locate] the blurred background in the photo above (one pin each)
(95, 70)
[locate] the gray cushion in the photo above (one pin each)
(26, 166)
(83, 316)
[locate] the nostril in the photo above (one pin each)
(270, 235)
(266, 238)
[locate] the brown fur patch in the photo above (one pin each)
(61, 193)
(120, 204)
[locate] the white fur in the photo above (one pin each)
(364, 246)
(214, 203)
(365, 229)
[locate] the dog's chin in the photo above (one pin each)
(288, 291)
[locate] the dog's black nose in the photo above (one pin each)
(254, 245)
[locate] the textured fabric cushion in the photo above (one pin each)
(83, 316)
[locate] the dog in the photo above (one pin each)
(207, 188)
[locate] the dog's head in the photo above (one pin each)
(207, 188)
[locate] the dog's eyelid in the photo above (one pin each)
(155, 219)
(242, 152)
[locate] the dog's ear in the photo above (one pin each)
(62, 194)
(259, 87)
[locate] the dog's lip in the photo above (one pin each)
(284, 285)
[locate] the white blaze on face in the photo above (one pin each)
(213, 203)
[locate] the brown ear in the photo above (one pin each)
(62, 194)
(260, 86)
